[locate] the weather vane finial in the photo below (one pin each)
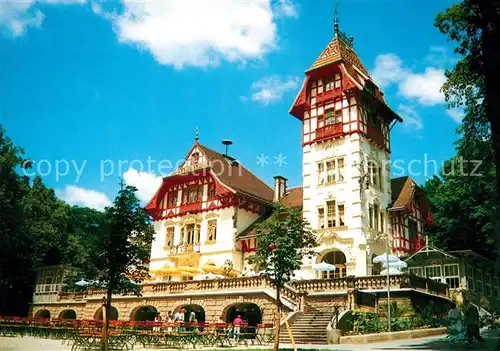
(197, 135)
(336, 18)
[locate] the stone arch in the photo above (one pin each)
(67, 314)
(338, 259)
(198, 310)
(144, 313)
(42, 314)
(249, 312)
(113, 314)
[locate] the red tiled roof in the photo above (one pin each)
(236, 176)
(293, 197)
(404, 192)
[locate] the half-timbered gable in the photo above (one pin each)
(409, 215)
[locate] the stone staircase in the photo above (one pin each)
(307, 328)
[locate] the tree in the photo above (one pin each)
(463, 199)
(283, 240)
(16, 244)
(475, 80)
(121, 249)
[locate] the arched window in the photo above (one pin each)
(338, 259)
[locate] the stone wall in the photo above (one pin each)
(215, 307)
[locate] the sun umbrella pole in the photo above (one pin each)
(388, 284)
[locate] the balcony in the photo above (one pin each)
(328, 96)
(376, 135)
(187, 208)
(185, 248)
(329, 131)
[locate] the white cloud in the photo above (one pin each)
(201, 33)
(286, 8)
(18, 15)
(75, 195)
(456, 114)
(425, 88)
(388, 69)
(146, 183)
(272, 88)
(411, 119)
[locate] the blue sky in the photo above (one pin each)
(88, 82)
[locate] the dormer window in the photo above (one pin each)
(195, 158)
(192, 194)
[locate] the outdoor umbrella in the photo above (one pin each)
(396, 265)
(386, 258)
(82, 282)
(392, 271)
(324, 267)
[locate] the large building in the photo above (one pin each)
(205, 211)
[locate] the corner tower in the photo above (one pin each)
(346, 153)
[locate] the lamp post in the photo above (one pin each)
(388, 284)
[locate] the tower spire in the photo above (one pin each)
(336, 20)
(197, 135)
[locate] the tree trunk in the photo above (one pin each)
(278, 320)
(107, 307)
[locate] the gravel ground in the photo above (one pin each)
(424, 344)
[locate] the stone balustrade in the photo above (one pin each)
(292, 293)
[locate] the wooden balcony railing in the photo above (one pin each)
(329, 131)
(194, 207)
(328, 96)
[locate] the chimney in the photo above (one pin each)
(279, 187)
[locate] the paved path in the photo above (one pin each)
(425, 344)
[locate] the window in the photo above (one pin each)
(382, 222)
(338, 259)
(375, 174)
(487, 284)
(495, 291)
(412, 230)
(192, 234)
(417, 271)
(195, 157)
(370, 215)
(341, 215)
(340, 164)
(321, 218)
(321, 173)
(329, 117)
(479, 281)
(338, 116)
(212, 230)
(211, 191)
(335, 171)
(192, 194)
(169, 241)
(328, 84)
(331, 214)
(172, 199)
(451, 276)
(470, 278)
(433, 272)
(330, 171)
(337, 81)
(376, 214)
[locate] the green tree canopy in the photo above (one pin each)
(283, 240)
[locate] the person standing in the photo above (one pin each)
(170, 321)
(237, 326)
(472, 322)
(456, 328)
